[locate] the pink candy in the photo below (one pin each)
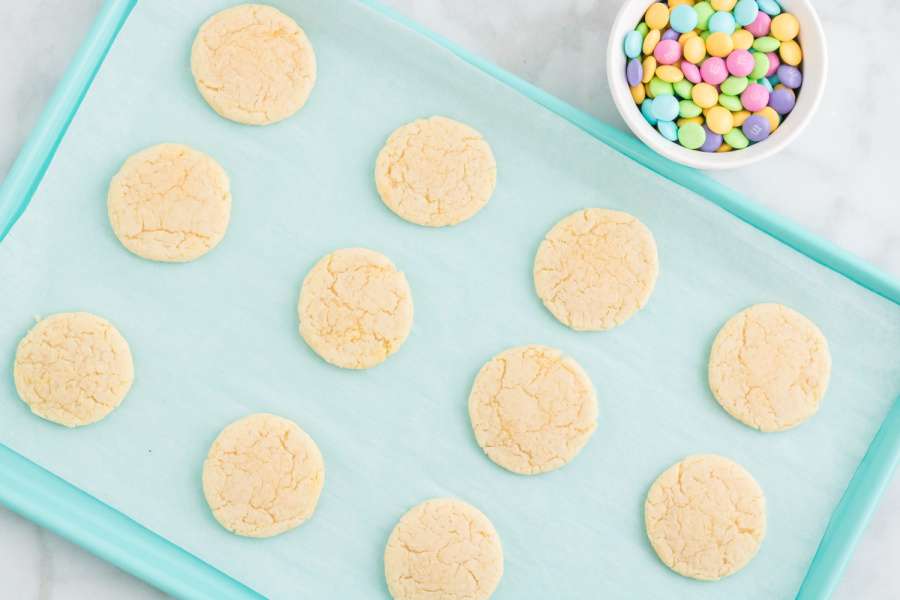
(691, 72)
(740, 63)
(713, 70)
(755, 97)
(667, 52)
(760, 26)
(774, 63)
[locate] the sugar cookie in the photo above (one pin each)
(73, 368)
(435, 172)
(705, 517)
(253, 64)
(443, 548)
(596, 268)
(532, 409)
(263, 476)
(769, 367)
(169, 203)
(355, 308)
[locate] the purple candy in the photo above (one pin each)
(790, 76)
(756, 128)
(634, 71)
(782, 100)
(670, 34)
(713, 141)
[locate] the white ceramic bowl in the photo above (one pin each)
(815, 68)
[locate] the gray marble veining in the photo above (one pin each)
(836, 180)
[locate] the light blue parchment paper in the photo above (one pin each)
(217, 339)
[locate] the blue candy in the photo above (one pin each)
(722, 21)
(633, 43)
(683, 18)
(647, 111)
(745, 12)
(668, 129)
(766, 82)
(770, 7)
(665, 107)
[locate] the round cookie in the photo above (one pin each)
(443, 548)
(73, 368)
(169, 203)
(253, 64)
(705, 517)
(596, 268)
(435, 172)
(769, 367)
(532, 409)
(263, 476)
(355, 308)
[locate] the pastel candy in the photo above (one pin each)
(723, 22)
(683, 18)
(745, 12)
(740, 63)
(704, 12)
(668, 129)
(790, 76)
(647, 111)
(713, 70)
(634, 72)
(691, 72)
(760, 25)
(754, 97)
(633, 43)
(683, 88)
(670, 34)
(782, 100)
(713, 141)
(665, 107)
(774, 63)
(691, 136)
(756, 128)
(770, 7)
(760, 65)
(667, 52)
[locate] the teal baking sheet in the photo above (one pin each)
(216, 339)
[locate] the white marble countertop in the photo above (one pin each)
(836, 180)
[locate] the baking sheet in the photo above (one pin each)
(216, 339)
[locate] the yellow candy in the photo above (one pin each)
(674, 3)
(790, 53)
(694, 50)
(742, 39)
(638, 93)
(724, 148)
(647, 91)
(719, 120)
(687, 35)
(771, 116)
(657, 16)
(649, 66)
(669, 73)
(652, 39)
(697, 120)
(719, 44)
(704, 95)
(740, 116)
(725, 5)
(784, 27)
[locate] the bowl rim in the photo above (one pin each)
(815, 74)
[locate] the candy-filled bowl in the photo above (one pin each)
(674, 140)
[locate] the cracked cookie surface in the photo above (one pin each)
(705, 517)
(443, 549)
(769, 367)
(355, 308)
(253, 64)
(263, 476)
(73, 368)
(435, 172)
(169, 203)
(532, 409)
(596, 268)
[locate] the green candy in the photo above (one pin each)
(683, 88)
(736, 139)
(732, 103)
(658, 87)
(687, 109)
(704, 12)
(642, 29)
(705, 35)
(692, 136)
(766, 44)
(734, 86)
(761, 67)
